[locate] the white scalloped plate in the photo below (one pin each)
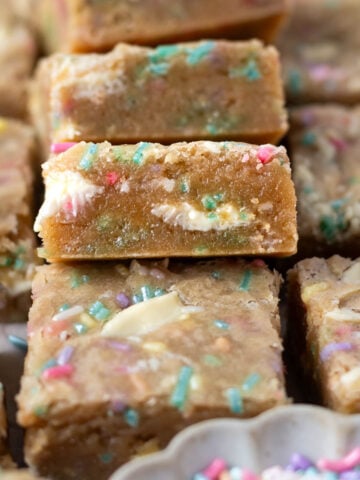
(258, 443)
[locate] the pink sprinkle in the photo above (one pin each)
(319, 73)
(247, 475)
(112, 178)
(266, 153)
(61, 147)
(347, 463)
(339, 144)
(215, 469)
(258, 263)
(60, 371)
(56, 328)
(68, 206)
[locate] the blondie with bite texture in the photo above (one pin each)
(148, 200)
(195, 91)
(17, 58)
(83, 26)
(122, 358)
(325, 298)
(325, 148)
(17, 241)
(319, 51)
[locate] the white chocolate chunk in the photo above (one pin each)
(312, 290)
(352, 274)
(62, 187)
(145, 317)
(343, 315)
(351, 378)
(190, 218)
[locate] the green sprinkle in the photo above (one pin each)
(308, 190)
(131, 417)
(159, 292)
(294, 81)
(184, 186)
(106, 458)
(212, 129)
(331, 226)
(80, 328)
(180, 392)
(6, 262)
(337, 204)
(40, 410)
(164, 52)
(250, 382)
(201, 250)
(251, 71)
(221, 324)
(212, 360)
(235, 400)
(77, 280)
(88, 158)
(216, 275)
(138, 156)
(209, 202)
(195, 55)
(18, 342)
(19, 264)
(63, 307)
(159, 69)
(99, 311)
(212, 216)
(245, 282)
(146, 292)
(137, 298)
(308, 139)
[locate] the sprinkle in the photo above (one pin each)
(250, 71)
(106, 458)
(184, 186)
(138, 156)
(331, 348)
(88, 158)
(99, 311)
(179, 395)
(212, 360)
(330, 226)
(164, 52)
(258, 263)
(111, 178)
(121, 347)
(65, 355)
(80, 328)
(266, 153)
(308, 139)
(156, 347)
(77, 280)
(195, 55)
(159, 69)
(63, 307)
(235, 400)
(131, 417)
(250, 382)
(3, 125)
(18, 342)
(216, 275)
(294, 81)
(40, 410)
(123, 300)
(61, 147)
(299, 462)
(245, 282)
(221, 324)
(339, 466)
(216, 467)
(68, 313)
(56, 328)
(60, 371)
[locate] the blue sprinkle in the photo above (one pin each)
(139, 154)
(106, 458)
(250, 71)
(221, 324)
(18, 342)
(195, 55)
(294, 81)
(250, 382)
(131, 417)
(159, 69)
(164, 52)
(88, 158)
(308, 139)
(235, 400)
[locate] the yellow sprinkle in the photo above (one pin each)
(312, 290)
(3, 125)
(156, 347)
(86, 320)
(151, 446)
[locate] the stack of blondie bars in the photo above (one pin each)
(167, 195)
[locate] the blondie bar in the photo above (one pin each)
(17, 241)
(120, 359)
(148, 200)
(83, 26)
(196, 91)
(325, 146)
(319, 52)
(325, 300)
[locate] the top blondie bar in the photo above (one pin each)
(92, 26)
